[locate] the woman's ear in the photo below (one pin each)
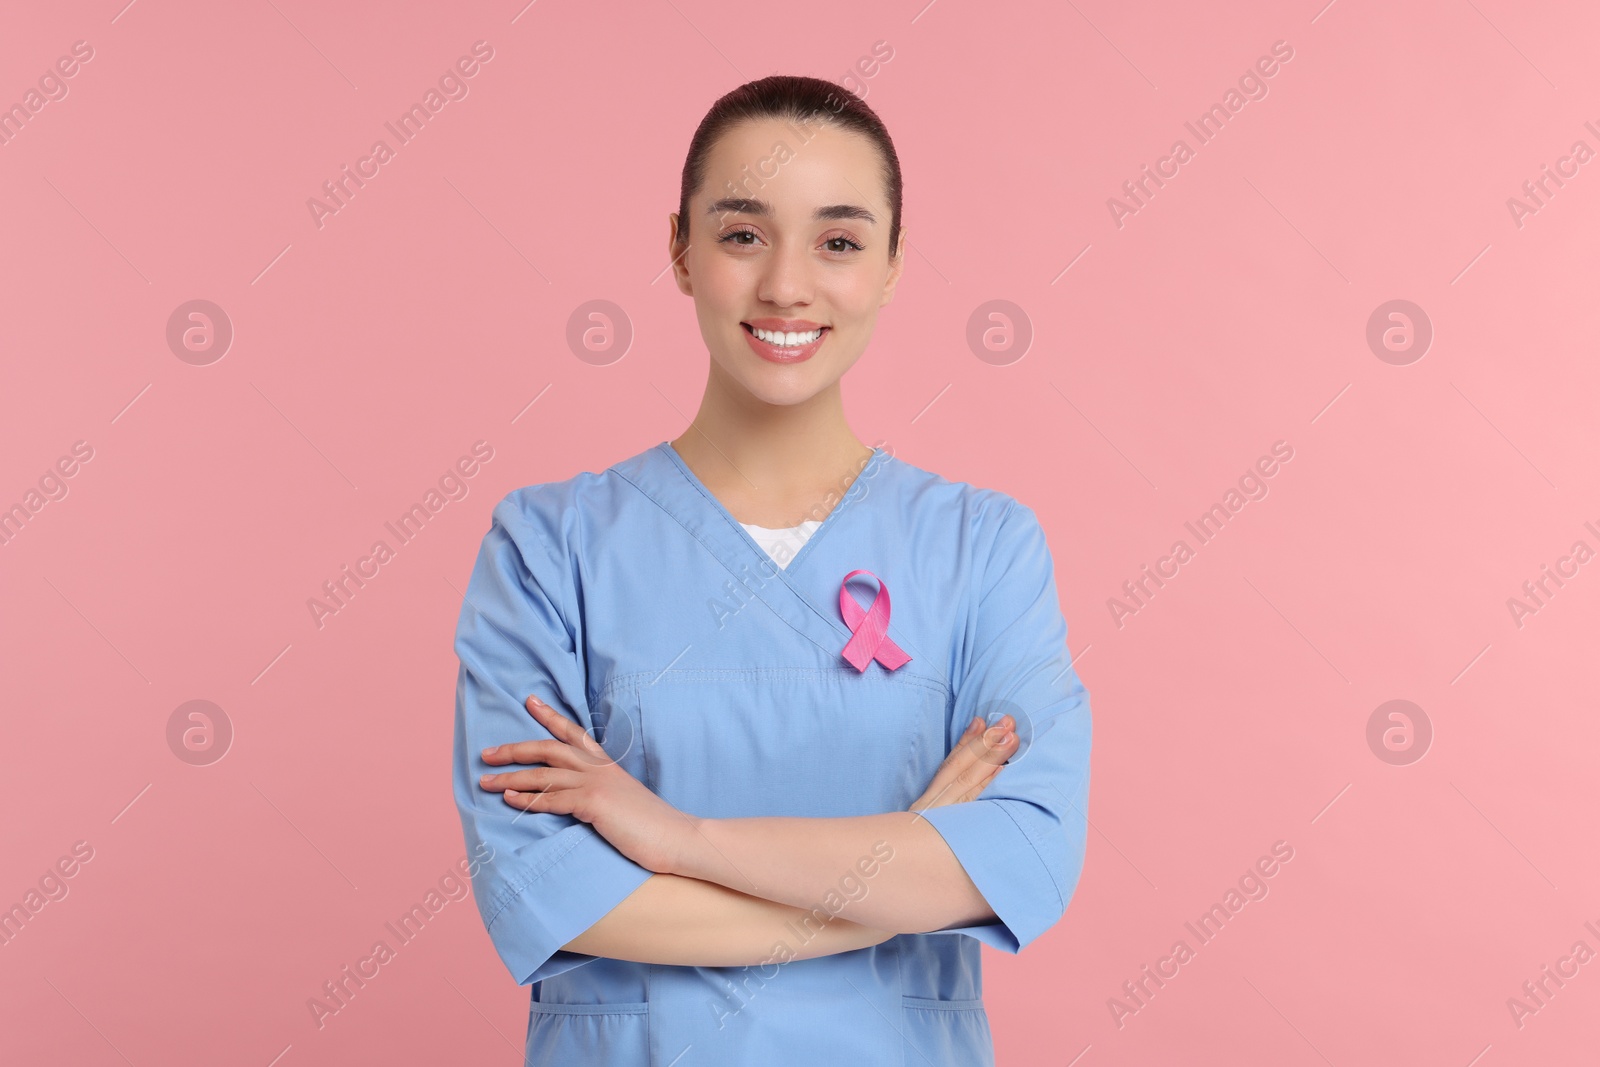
(680, 269)
(897, 266)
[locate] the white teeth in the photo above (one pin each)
(786, 339)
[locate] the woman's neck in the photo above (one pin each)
(778, 467)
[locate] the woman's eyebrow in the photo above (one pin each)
(738, 205)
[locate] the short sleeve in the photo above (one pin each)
(1022, 840)
(541, 879)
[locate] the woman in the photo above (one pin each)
(760, 820)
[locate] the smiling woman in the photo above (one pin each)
(674, 795)
(807, 236)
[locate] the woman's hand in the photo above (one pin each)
(579, 779)
(971, 765)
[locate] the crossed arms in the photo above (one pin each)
(588, 862)
(720, 888)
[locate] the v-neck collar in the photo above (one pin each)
(828, 521)
(662, 475)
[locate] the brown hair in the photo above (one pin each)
(796, 99)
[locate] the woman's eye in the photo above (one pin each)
(832, 244)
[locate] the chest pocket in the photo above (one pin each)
(814, 742)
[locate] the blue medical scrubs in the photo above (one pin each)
(634, 601)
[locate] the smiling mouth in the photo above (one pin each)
(796, 339)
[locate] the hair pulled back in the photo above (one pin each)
(795, 99)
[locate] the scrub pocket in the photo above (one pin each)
(587, 1033)
(947, 1031)
(817, 742)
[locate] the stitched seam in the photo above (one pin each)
(781, 576)
(712, 674)
(514, 890)
(694, 483)
(1035, 850)
(545, 1007)
(930, 1004)
(710, 551)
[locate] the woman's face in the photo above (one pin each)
(760, 258)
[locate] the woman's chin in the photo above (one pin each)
(775, 383)
(783, 394)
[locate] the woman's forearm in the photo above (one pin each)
(889, 872)
(689, 922)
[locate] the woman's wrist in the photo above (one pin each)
(690, 857)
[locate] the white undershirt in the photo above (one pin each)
(782, 545)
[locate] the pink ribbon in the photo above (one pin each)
(869, 630)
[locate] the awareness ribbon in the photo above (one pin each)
(869, 630)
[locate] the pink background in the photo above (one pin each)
(1228, 313)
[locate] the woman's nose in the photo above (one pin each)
(787, 278)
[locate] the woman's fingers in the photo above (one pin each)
(976, 774)
(560, 727)
(959, 755)
(978, 783)
(981, 744)
(974, 760)
(565, 729)
(983, 755)
(560, 802)
(996, 744)
(967, 735)
(554, 753)
(531, 780)
(949, 767)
